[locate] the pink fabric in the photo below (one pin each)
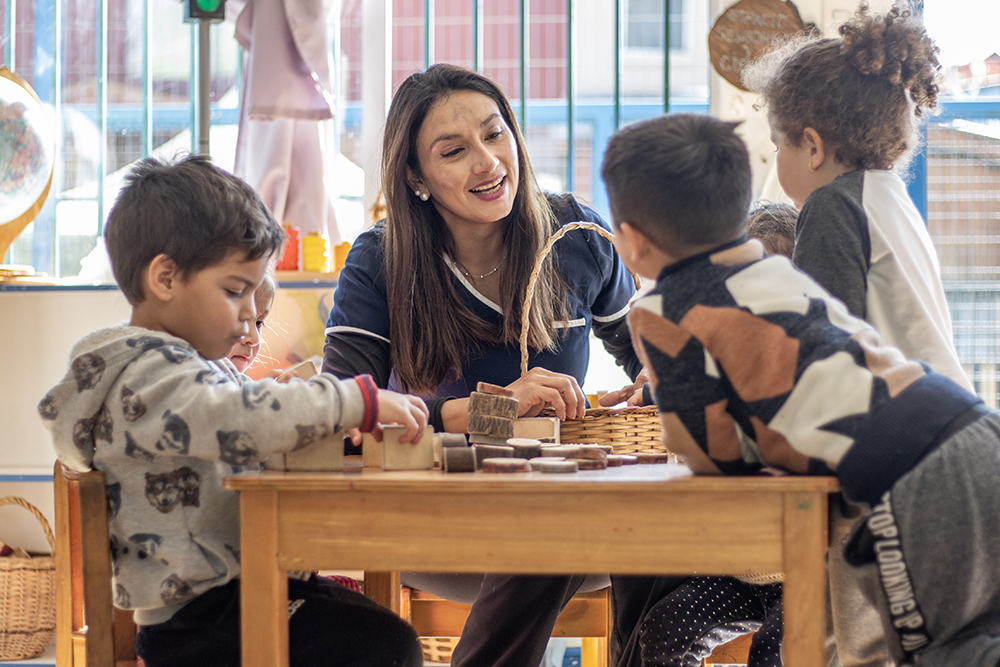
(285, 143)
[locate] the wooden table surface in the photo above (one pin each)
(645, 519)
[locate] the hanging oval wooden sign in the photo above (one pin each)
(747, 29)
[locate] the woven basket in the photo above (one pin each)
(27, 597)
(438, 649)
(628, 430)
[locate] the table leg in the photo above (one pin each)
(804, 589)
(263, 585)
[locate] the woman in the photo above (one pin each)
(430, 300)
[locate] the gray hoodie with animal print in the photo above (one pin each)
(166, 426)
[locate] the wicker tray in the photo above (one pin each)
(628, 430)
(27, 596)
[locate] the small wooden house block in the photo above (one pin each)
(545, 429)
(398, 455)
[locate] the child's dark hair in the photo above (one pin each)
(189, 210)
(863, 92)
(680, 179)
(773, 224)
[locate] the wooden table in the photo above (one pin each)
(646, 519)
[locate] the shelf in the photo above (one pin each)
(285, 277)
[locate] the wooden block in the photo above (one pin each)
(304, 370)
(496, 427)
(559, 466)
(487, 388)
(607, 449)
(536, 463)
(506, 464)
(545, 429)
(371, 451)
(491, 452)
(591, 464)
(398, 455)
(480, 439)
(458, 459)
(652, 457)
(593, 452)
(492, 404)
(565, 451)
(453, 440)
(525, 448)
(323, 456)
(621, 460)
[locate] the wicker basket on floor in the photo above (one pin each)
(628, 430)
(27, 596)
(438, 649)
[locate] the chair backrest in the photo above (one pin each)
(90, 632)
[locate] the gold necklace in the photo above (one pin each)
(485, 275)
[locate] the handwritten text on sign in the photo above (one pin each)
(746, 30)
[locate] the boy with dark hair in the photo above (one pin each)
(754, 365)
(157, 405)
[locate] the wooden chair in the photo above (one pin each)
(90, 631)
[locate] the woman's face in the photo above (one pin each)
(468, 159)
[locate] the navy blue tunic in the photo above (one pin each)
(600, 287)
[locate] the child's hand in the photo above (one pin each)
(632, 393)
(405, 409)
(280, 375)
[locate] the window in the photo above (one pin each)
(644, 26)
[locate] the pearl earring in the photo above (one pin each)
(424, 196)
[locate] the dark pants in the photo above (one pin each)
(632, 598)
(328, 625)
(683, 628)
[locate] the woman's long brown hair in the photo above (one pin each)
(432, 331)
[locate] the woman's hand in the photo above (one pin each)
(539, 389)
(630, 393)
(405, 409)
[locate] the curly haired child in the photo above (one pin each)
(844, 113)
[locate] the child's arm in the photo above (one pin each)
(832, 245)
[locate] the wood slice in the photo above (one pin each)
(458, 459)
(487, 388)
(492, 404)
(480, 439)
(484, 452)
(591, 464)
(496, 427)
(565, 451)
(652, 457)
(506, 465)
(622, 460)
(453, 440)
(558, 466)
(536, 463)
